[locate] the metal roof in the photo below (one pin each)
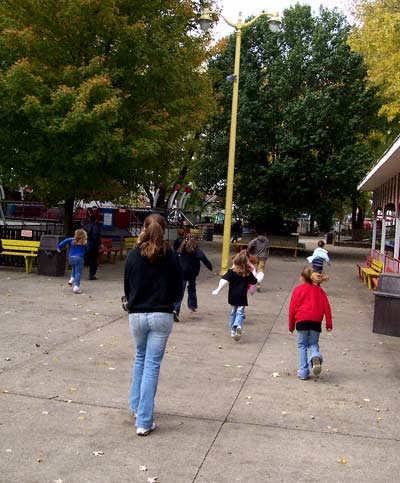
(387, 167)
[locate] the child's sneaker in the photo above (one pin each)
(76, 289)
(233, 332)
(176, 316)
(145, 432)
(303, 378)
(71, 281)
(316, 366)
(238, 333)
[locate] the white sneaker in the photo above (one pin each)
(316, 366)
(233, 332)
(76, 289)
(145, 432)
(238, 333)
(71, 281)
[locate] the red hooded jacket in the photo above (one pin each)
(309, 302)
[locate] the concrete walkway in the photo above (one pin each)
(227, 411)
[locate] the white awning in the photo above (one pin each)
(387, 167)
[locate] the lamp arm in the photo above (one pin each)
(218, 14)
(253, 20)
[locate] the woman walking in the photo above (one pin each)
(152, 282)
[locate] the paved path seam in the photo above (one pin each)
(225, 420)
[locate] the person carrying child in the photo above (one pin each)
(190, 256)
(319, 256)
(78, 247)
(238, 277)
(308, 306)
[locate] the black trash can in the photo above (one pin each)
(387, 305)
(329, 238)
(50, 261)
(208, 232)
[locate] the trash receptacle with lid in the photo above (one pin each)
(50, 261)
(387, 305)
(208, 232)
(329, 238)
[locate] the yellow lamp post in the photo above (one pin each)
(205, 22)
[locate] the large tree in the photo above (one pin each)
(98, 97)
(377, 36)
(304, 112)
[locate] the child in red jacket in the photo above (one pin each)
(308, 306)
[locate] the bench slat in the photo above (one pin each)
(21, 248)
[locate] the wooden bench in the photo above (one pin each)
(129, 242)
(283, 243)
(367, 264)
(22, 248)
(239, 246)
(286, 243)
(107, 248)
(371, 272)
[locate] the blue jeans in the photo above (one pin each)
(192, 295)
(150, 332)
(77, 268)
(237, 317)
(307, 340)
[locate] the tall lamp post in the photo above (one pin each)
(205, 22)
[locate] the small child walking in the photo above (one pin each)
(308, 306)
(190, 256)
(238, 277)
(319, 256)
(78, 247)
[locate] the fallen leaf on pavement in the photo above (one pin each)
(98, 453)
(275, 374)
(142, 468)
(342, 461)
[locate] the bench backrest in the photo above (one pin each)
(377, 265)
(28, 246)
(107, 242)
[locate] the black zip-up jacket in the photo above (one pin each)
(152, 286)
(190, 263)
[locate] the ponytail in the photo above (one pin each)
(151, 239)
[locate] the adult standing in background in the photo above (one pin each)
(259, 248)
(152, 282)
(93, 231)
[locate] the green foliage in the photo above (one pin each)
(377, 38)
(305, 111)
(98, 97)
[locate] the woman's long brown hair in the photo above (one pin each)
(151, 239)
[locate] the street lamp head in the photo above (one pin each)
(274, 23)
(205, 21)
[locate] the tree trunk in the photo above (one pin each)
(69, 217)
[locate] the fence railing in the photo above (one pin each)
(388, 261)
